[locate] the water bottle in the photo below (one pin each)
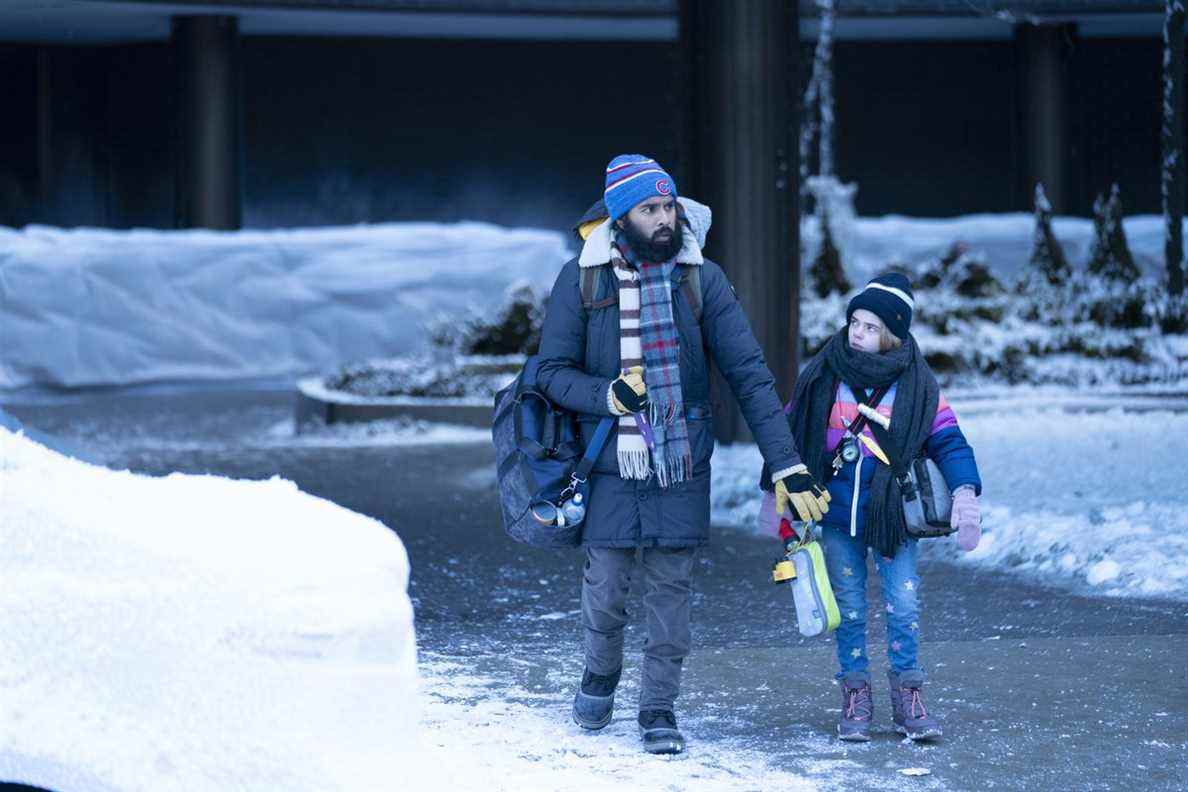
(574, 509)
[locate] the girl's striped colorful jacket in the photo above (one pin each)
(850, 488)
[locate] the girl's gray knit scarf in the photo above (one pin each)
(916, 397)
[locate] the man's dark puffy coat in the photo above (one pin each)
(579, 353)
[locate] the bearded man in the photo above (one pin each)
(630, 329)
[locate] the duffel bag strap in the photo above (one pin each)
(582, 472)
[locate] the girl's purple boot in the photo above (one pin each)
(857, 707)
(907, 706)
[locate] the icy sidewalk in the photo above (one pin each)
(1034, 690)
(1094, 500)
(153, 429)
(1022, 713)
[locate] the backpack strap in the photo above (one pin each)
(691, 289)
(591, 279)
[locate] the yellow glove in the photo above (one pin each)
(808, 498)
(628, 393)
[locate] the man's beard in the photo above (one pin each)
(650, 248)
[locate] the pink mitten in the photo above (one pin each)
(769, 521)
(967, 518)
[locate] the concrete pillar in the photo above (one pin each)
(209, 189)
(1043, 60)
(741, 154)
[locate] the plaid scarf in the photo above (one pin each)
(648, 336)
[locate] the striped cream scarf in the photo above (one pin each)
(648, 337)
(634, 460)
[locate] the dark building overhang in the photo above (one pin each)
(123, 21)
(120, 21)
(982, 19)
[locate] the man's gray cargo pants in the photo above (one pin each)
(667, 597)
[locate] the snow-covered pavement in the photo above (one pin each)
(484, 733)
(497, 630)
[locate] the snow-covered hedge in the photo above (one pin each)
(473, 356)
(1089, 330)
(426, 376)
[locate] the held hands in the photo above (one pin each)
(628, 393)
(808, 499)
(967, 518)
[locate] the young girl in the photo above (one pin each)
(875, 357)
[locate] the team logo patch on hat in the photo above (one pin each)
(632, 179)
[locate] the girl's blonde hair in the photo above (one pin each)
(887, 339)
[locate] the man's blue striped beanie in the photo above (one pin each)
(632, 178)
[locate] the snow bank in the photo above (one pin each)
(95, 307)
(1075, 495)
(1138, 548)
(1095, 500)
(194, 632)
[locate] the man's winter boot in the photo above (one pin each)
(857, 707)
(658, 730)
(595, 699)
(907, 706)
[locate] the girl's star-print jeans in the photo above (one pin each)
(845, 557)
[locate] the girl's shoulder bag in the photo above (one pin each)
(927, 501)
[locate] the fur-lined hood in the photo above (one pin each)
(598, 236)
